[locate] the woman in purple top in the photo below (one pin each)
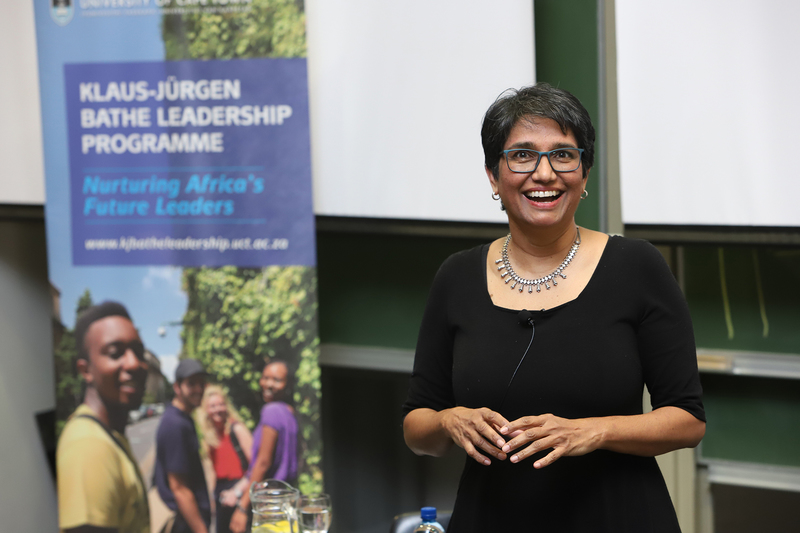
(274, 439)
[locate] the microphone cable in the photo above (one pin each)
(525, 319)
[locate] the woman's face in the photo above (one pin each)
(543, 198)
(273, 382)
(216, 410)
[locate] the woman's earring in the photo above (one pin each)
(584, 194)
(495, 197)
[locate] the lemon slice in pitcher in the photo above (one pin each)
(281, 526)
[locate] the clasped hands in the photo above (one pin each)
(484, 430)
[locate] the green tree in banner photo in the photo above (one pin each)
(270, 28)
(238, 318)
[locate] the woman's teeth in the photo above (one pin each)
(543, 196)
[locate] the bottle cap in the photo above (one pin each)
(428, 514)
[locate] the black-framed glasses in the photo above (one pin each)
(525, 160)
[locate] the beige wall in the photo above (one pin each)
(27, 496)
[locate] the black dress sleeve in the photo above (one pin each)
(431, 384)
(665, 335)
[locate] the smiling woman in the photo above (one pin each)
(548, 403)
(540, 197)
(274, 453)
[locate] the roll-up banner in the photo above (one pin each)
(181, 252)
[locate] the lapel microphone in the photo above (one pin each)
(525, 318)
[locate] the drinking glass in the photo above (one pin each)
(315, 513)
(274, 506)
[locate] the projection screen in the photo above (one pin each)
(398, 91)
(708, 103)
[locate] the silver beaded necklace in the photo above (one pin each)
(509, 274)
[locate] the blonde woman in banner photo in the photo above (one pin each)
(534, 349)
(229, 445)
(100, 487)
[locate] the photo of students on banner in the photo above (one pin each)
(247, 382)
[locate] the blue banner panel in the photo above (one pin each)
(191, 163)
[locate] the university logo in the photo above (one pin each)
(61, 11)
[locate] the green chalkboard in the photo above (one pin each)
(747, 298)
(373, 288)
(744, 298)
(755, 420)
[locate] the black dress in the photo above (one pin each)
(589, 357)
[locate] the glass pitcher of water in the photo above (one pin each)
(274, 504)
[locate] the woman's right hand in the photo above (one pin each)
(474, 430)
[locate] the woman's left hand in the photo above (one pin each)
(566, 437)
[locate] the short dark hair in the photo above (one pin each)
(540, 100)
(92, 315)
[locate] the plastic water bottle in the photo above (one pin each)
(429, 523)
